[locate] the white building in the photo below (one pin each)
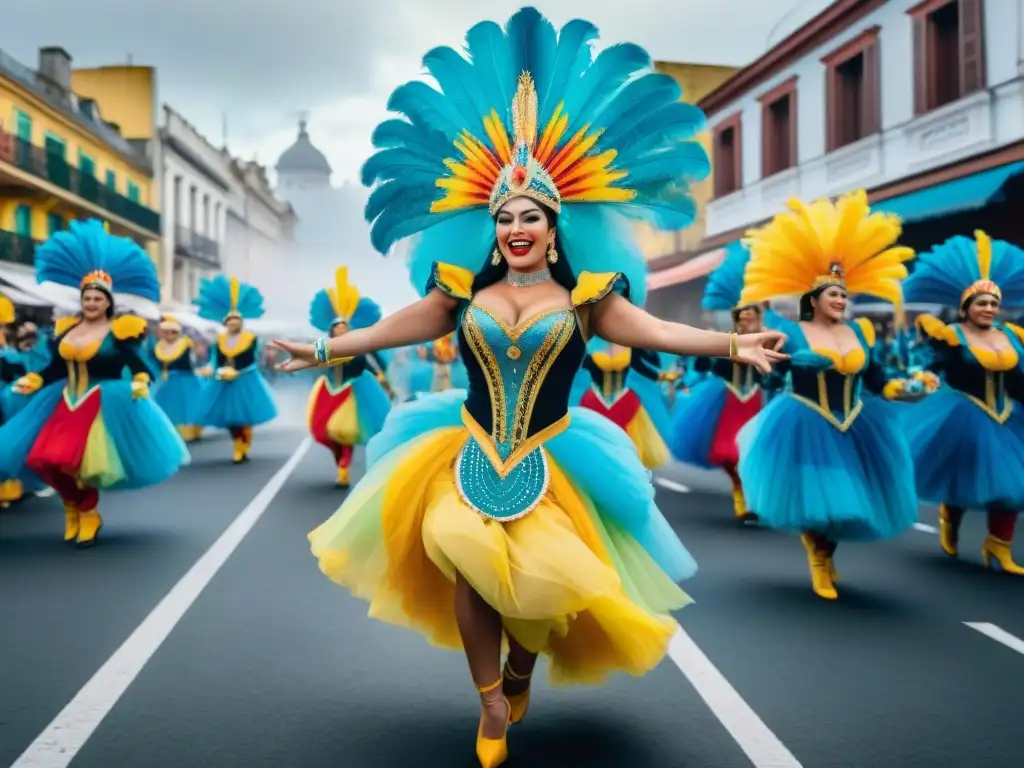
(921, 103)
(196, 182)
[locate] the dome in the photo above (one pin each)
(302, 156)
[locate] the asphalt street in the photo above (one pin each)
(272, 665)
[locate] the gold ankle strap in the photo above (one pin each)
(512, 675)
(491, 687)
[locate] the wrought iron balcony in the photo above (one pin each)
(49, 167)
(192, 245)
(17, 249)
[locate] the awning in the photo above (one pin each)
(22, 299)
(965, 194)
(698, 266)
(51, 294)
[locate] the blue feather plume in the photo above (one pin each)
(68, 256)
(637, 111)
(942, 274)
(323, 318)
(725, 283)
(214, 300)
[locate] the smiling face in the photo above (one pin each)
(830, 304)
(523, 234)
(95, 304)
(982, 310)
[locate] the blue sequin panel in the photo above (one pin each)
(501, 498)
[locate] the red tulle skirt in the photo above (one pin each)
(621, 412)
(62, 443)
(735, 413)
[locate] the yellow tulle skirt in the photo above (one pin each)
(566, 580)
(649, 443)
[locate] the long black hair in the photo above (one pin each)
(806, 308)
(561, 272)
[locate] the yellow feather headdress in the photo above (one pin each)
(169, 323)
(825, 243)
(6, 310)
(344, 296)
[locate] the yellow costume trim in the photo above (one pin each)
(6, 310)
(454, 281)
(613, 363)
(849, 364)
(591, 287)
(1016, 330)
(893, 388)
(128, 327)
(245, 341)
(141, 378)
(868, 329)
(170, 354)
(938, 330)
(840, 243)
(64, 324)
(31, 381)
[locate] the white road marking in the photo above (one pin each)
(762, 747)
(671, 485)
(62, 739)
(926, 528)
(45, 493)
(999, 635)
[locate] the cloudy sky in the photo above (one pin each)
(255, 65)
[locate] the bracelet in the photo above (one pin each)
(734, 346)
(320, 349)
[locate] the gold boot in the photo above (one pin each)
(999, 550)
(239, 450)
(518, 702)
(343, 477)
(492, 752)
(821, 576)
(948, 533)
(71, 521)
(10, 492)
(89, 527)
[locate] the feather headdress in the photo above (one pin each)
(87, 256)
(169, 323)
(6, 310)
(223, 297)
(825, 243)
(961, 268)
(531, 112)
(725, 283)
(342, 303)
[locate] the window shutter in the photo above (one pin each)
(872, 93)
(972, 49)
(920, 65)
(832, 116)
(794, 131)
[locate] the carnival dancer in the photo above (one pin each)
(87, 428)
(820, 460)
(967, 439)
(237, 398)
(33, 346)
(623, 385)
(348, 403)
(178, 391)
(706, 423)
(12, 368)
(498, 509)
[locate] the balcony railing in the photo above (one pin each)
(50, 167)
(195, 246)
(17, 249)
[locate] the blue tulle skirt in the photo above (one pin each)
(597, 456)
(695, 421)
(654, 402)
(245, 402)
(961, 455)
(421, 377)
(180, 396)
(146, 447)
(800, 473)
(372, 404)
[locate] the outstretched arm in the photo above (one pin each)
(615, 319)
(429, 318)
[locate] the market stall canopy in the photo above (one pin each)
(22, 299)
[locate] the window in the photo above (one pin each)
(779, 129)
(86, 164)
(23, 221)
(112, 180)
(133, 191)
(727, 157)
(23, 125)
(852, 91)
(54, 223)
(949, 52)
(55, 145)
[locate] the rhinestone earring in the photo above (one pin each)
(552, 254)
(495, 257)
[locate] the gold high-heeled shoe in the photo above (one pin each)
(492, 752)
(519, 702)
(996, 549)
(947, 532)
(821, 572)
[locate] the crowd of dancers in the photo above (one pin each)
(512, 416)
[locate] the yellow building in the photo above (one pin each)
(62, 157)
(697, 80)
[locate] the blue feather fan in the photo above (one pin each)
(67, 257)
(725, 283)
(323, 317)
(216, 300)
(942, 274)
(641, 156)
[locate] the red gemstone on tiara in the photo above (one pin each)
(518, 174)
